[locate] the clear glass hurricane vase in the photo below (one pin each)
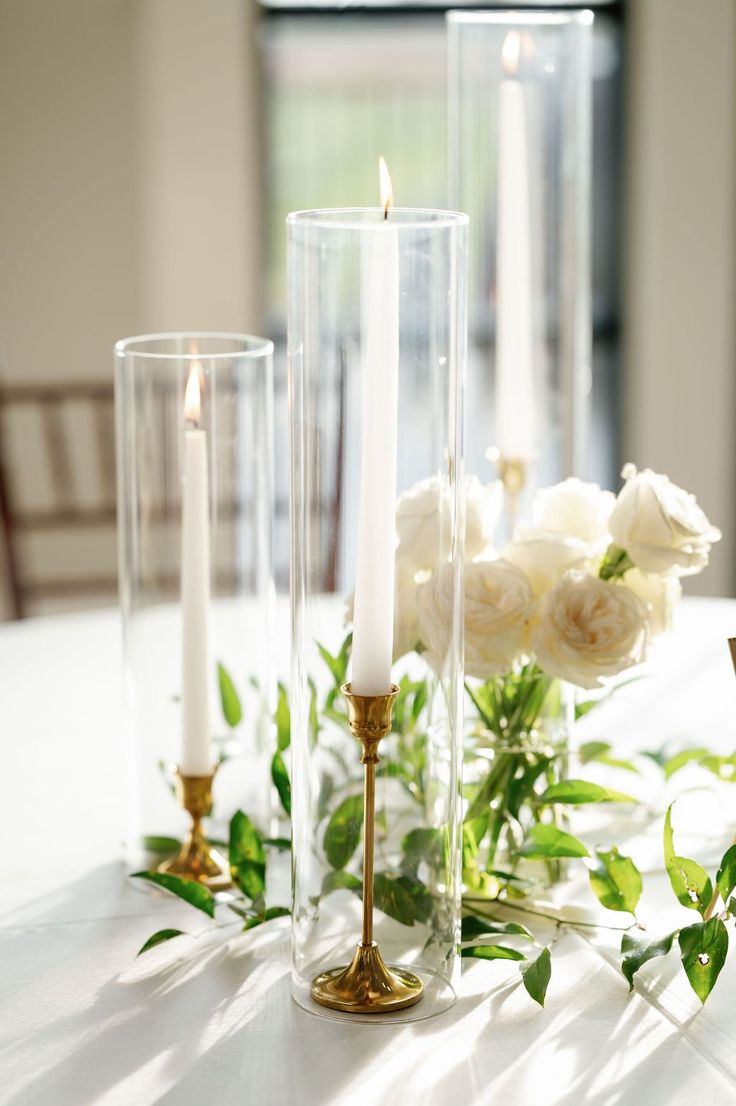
(332, 333)
(519, 157)
(195, 568)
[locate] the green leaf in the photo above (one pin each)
(313, 713)
(548, 841)
(196, 894)
(581, 709)
(616, 880)
(592, 750)
(686, 756)
(392, 897)
(638, 949)
(160, 937)
(704, 947)
(280, 777)
(600, 752)
(690, 882)
(338, 665)
(420, 700)
(422, 901)
(283, 844)
(423, 844)
(535, 975)
(283, 719)
(267, 916)
(162, 846)
(726, 875)
(343, 831)
(474, 830)
(582, 791)
(473, 927)
(231, 709)
(340, 880)
(492, 952)
(247, 856)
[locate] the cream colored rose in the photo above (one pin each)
(544, 555)
(660, 594)
(588, 629)
(406, 625)
(660, 526)
(577, 510)
(423, 521)
(499, 605)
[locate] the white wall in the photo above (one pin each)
(129, 195)
(680, 388)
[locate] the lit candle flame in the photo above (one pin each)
(193, 394)
(511, 53)
(387, 192)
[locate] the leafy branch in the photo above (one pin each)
(516, 821)
(247, 859)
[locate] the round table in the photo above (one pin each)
(212, 1020)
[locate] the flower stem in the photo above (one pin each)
(551, 917)
(615, 563)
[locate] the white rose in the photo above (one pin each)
(423, 516)
(406, 627)
(660, 526)
(577, 510)
(660, 594)
(588, 628)
(499, 605)
(544, 556)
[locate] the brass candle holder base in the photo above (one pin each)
(367, 985)
(197, 859)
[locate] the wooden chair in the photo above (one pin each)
(64, 510)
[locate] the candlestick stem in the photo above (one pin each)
(368, 985)
(197, 859)
(369, 826)
(513, 473)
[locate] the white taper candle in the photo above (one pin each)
(373, 618)
(196, 756)
(515, 393)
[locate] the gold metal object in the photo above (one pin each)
(513, 473)
(367, 985)
(197, 859)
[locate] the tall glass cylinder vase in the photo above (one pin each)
(195, 491)
(519, 96)
(377, 356)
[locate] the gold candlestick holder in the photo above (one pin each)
(367, 985)
(513, 473)
(197, 859)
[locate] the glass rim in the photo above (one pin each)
(585, 17)
(255, 347)
(402, 218)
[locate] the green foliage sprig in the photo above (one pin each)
(522, 788)
(247, 859)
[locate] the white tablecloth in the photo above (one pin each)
(81, 1021)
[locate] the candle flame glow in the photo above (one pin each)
(387, 192)
(193, 394)
(511, 53)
